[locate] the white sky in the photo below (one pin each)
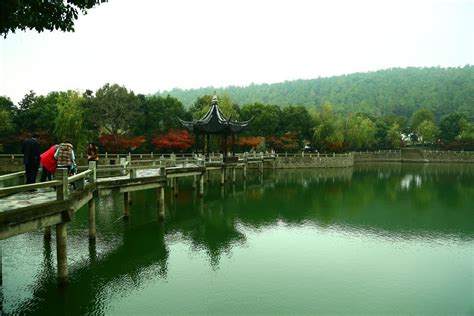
(151, 45)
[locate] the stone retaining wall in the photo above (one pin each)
(313, 161)
(378, 156)
(448, 156)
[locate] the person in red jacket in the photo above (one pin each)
(49, 163)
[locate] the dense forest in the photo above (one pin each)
(381, 110)
(392, 91)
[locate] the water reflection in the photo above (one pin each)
(391, 201)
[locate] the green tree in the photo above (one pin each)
(6, 104)
(296, 119)
(360, 132)
(6, 127)
(115, 109)
(329, 129)
(420, 116)
(200, 106)
(466, 135)
(450, 126)
(69, 119)
(41, 15)
(36, 113)
(394, 135)
(428, 131)
(266, 119)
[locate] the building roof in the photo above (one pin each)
(215, 122)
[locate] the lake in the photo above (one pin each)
(372, 239)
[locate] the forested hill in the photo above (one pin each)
(399, 91)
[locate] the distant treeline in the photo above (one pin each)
(399, 91)
(380, 110)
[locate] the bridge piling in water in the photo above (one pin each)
(92, 230)
(61, 250)
(46, 214)
(201, 184)
(47, 233)
(161, 203)
(126, 205)
(175, 186)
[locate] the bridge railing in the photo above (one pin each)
(16, 178)
(61, 183)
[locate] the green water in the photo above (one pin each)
(383, 239)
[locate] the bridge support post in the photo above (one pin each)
(62, 190)
(201, 184)
(126, 206)
(47, 233)
(222, 175)
(176, 186)
(161, 203)
(233, 175)
(245, 171)
(61, 250)
(261, 167)
(92, 231)
(129, 197)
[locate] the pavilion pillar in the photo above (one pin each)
(233, 145)
(225, 147)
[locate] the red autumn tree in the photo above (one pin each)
(174, 140)
(45, 140)
(120, 143)
(286, 142)
(249, 142)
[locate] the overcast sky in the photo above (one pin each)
(151, 45)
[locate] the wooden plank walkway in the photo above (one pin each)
(30, 207)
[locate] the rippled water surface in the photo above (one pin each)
(373, 239)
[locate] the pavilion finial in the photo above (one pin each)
(214, 99)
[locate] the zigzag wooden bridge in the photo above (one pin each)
(29, 207)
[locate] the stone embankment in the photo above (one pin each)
(415, 155)
(378, 156)
(313, 161)
(13, 163)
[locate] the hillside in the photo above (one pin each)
(398, 91)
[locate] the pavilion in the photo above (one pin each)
(214, 122)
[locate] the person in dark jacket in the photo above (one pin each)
(31, 157)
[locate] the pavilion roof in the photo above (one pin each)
(215, 122)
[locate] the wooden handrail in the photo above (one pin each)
(80, 175)
(12, 175)
(26, 187)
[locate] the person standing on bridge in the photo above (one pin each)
(31, 157)
(49, 163)
(65, 157)
(93, 153)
